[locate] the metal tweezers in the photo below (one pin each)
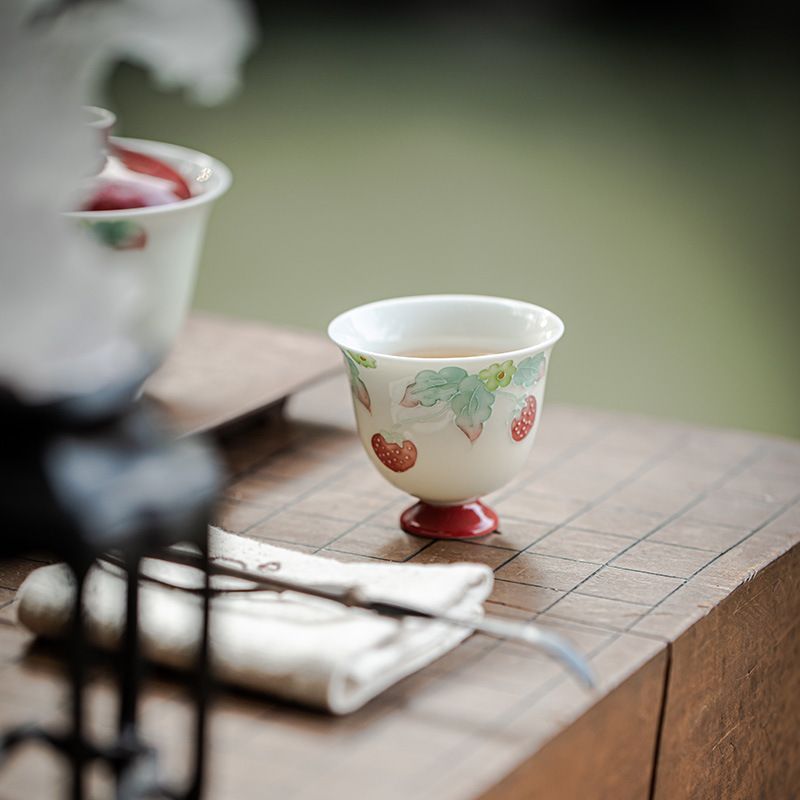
(526, 633)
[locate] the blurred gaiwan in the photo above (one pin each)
(148, 206)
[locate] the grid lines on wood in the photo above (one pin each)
(661, 521)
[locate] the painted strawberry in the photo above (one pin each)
(397, 457)
(521, 425)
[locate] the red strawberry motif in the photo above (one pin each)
(521, 425)
(396, 457)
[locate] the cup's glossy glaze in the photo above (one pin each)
(447, 430)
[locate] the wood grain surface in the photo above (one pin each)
(733, 698)
(667, 553)
(607, 754)
(221, 370)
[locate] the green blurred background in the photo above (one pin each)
(643, 186)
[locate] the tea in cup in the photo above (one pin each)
(447, 392)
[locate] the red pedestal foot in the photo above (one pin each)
(466, 521)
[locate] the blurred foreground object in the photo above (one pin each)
(85, 470)
(83, 476)
(125, 178)
(147, 211)
(64, 314)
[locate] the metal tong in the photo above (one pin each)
(526, 633)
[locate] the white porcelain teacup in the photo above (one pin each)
(162, 244)
(447, 391)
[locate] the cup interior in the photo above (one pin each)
(207, 178)
(462, 325)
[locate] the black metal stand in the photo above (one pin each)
(83, 477)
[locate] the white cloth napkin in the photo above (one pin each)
(310, 651)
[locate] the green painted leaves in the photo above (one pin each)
(352, 368)
(529, 370)
(430, 388)
(119, 234)
(362, 360)
(498, 375)
(468, 398)
(472, 405)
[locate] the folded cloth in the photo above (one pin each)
(307, 650)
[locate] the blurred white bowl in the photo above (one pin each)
(162, 243)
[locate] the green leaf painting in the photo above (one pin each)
(119, 234)
(472, 406)
(529, 370)
(351, 366)
(498, 375)
(468, 399)
(362, 360)
(430, 388)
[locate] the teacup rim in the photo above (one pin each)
(165, 149)
(504, 354)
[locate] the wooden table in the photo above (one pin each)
(668, 553)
